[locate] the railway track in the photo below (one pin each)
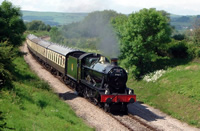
(129, 121)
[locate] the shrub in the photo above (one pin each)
(178, 49)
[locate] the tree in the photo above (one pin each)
(196, 32)
(11, 35)
(11, 23)
(56, 35)
(6, 65)
(37, 25)
(117, 23)
(142, 40)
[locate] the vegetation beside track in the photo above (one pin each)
(176, 92)
(32, 105)
(37, 33)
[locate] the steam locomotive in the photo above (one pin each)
(90, 74)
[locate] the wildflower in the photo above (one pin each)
(153, 76)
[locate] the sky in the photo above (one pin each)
(178, 7)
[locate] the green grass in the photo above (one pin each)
(38, 33)
(32, 105)
(176, 93)
(53, 18)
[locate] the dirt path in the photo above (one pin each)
(98, 118)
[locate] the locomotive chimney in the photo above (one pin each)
(114, 61)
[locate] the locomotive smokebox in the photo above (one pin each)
(114, 61)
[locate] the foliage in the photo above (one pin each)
(117, 22)
(37, 33)
(6, 64)
(53, 18)
(2, 122)
(11, 35)
(178, 49)
(55, 35)
(37, 25)
(176, 92)
(143, 40)
(94, 32)
(196, 32)
(32, 105)
(92, 26)
(12, 26)
(179, 36)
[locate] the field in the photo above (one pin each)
(53, 18)
(32, 105)
(176, 92)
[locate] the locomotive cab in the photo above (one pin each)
(99, 72)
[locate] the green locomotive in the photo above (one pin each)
(90, 74)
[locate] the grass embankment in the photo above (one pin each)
(32, 105)
(176, 93)
(37, 33)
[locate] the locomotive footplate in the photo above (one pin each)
(118, 98)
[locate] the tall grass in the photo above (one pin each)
(31, 105)
(176, 93)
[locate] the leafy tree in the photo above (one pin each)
(179, 36)
(94, 25)
(117, 23)
(56, 35)
(37, 25)
(143, 40)
(11, 35)
(196, 32)
(11, 23)
(6, 65)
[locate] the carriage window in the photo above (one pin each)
(51, 56)
(58, 60)
(54, 57)
(63, 61)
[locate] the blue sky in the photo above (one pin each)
(180, 7)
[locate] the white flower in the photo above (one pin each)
(153, 76)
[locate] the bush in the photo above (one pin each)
(6, 66)
(37, 25)
(193, 51)
(178, 49)
(179, 37)
(197, 52)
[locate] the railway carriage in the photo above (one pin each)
(57, 56)
(90, 74)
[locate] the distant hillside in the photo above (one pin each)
(180, 22)
(53, 18)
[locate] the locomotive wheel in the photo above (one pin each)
(95, 101)
(66, 81)
(78, 90)
(106, 107)
(85, 93)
